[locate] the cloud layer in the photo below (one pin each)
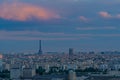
(36, 35)
(106, 14)
(96, 28)
(82, 18)
(22, 12)
(33, 35)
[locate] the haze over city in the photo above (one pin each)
(86, 25)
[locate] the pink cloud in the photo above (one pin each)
(23, 12)
(118, 16)
(108, 15)
(82, 18)
(104, 14)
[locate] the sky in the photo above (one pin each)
(85, 25)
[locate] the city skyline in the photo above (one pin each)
(59, 40)
(36, 48)
(85, 25)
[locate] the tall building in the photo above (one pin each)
(40, 48)
(71, 75)
(1, 61)
(71, 51)
(28, 73)
(47, 68)
(15, 73)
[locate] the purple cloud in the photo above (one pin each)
(36, 35)
(96, 28)
(83, 18)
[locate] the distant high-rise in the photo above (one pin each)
(40, 48)
(71, 51)
(28, 73)
(15, 73)
(71, 75)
